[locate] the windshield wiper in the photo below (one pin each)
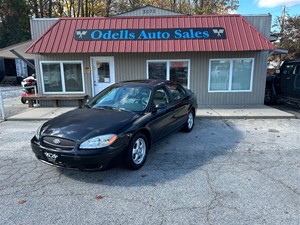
(102, 107)
(123, 109)
(111, 108)
(117, 108)
(97, 107)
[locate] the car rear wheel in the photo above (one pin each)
(189, 124)
(137, 152)
(22, 100)
(269, 96)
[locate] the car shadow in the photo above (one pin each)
(211, 141)
(289, 108)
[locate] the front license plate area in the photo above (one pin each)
(51, 157)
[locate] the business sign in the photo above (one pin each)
(149, 34)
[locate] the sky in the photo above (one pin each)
(274, 7)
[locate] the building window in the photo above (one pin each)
(157, 70)
(62, 77)
(230, 75)
(174, 70)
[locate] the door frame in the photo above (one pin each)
(111, 61)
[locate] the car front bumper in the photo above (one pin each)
(85, 160)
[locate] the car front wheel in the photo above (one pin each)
(137, 152)
(189, 124)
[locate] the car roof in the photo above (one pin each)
(146, 82)
(292, 61)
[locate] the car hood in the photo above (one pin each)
(81, 124)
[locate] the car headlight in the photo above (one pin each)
(38, 133)
(99, 141)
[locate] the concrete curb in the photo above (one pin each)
(207, 112)
(242, 112)
(40, 113)
(245, 117)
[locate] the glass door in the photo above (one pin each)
(103, 73)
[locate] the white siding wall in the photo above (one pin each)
(133, 66)
(40, 26)
(262, 23)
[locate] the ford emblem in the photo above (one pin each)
(56, 141)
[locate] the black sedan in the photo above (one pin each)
(119, 123)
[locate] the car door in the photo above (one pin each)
(297, 82)
(287, 79)
(180, 104)
(162, 114)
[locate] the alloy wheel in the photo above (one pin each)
(139, 151)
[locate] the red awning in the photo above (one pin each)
(240, 35)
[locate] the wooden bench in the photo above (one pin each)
(55, 98)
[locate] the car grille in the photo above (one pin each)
(58, 143)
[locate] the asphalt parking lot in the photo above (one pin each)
(223, 172)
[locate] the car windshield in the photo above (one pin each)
(130, 98)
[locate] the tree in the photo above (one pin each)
(41, 8)
(183, 6)
(87, 8)
(15, 14)
(215, 6)
(14, 22)
(289, 36)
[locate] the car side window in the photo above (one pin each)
(297, 70)
(288, 70)
(160, 97)
(297, 78)
(177, 92)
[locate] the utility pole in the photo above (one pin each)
(282, 20)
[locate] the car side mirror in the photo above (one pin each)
(160, 105)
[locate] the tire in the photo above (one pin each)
(23, 101)
(189, 124)
(137, 152)
(269, 96)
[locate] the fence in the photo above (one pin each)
(10, 101)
